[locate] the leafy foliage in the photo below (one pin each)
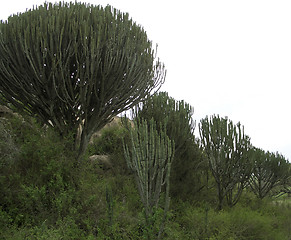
(238, 223)
(74, 66)
(44, 196)
(110, 143)
(33, 177)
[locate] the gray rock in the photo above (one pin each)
(102, 160)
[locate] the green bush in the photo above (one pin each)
(65, 229)
(237, 223)
(38, 186)
(110, 143)
(8, 147)
(45, 195)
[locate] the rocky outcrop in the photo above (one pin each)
(8, 148)
(5, 111)
(103, 161)
(116, 122)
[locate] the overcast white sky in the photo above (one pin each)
(231, 58)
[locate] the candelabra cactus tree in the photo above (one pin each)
(180, 125)
(186, 166)
(149, 155)
(271, 170)
(72, 64)
(226, 147)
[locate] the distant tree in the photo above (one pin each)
(287, 181)
(271, 171)
(72, 64)
(226, 147)
(149, 155)
(185, 176)
(161, 107)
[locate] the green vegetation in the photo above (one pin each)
(226, 147)
(68, 69)
(149, 155)
(188, 167)
(73, 64)
(270, 171)
(44, 195)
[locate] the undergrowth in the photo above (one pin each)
(45, 194)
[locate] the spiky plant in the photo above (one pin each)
(72, 64)
(226, 147)
(149, 155)
(271, 171)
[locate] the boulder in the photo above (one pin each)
(102, 160)
(5, 111)
(116, 122)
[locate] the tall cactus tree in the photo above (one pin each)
(72, 64)
(149, 156)
(271, 170)
(185, 179)
(226, 147)
(180, 125)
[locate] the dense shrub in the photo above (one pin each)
(110, 143)
(8, 148)
(241, 223)
(44, 195)
(38, 182)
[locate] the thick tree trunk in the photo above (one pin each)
(220, 197)
(85, 138)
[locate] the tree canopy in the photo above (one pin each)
(226, 147)
(270, 170)
(177, 116)
(72, 64)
